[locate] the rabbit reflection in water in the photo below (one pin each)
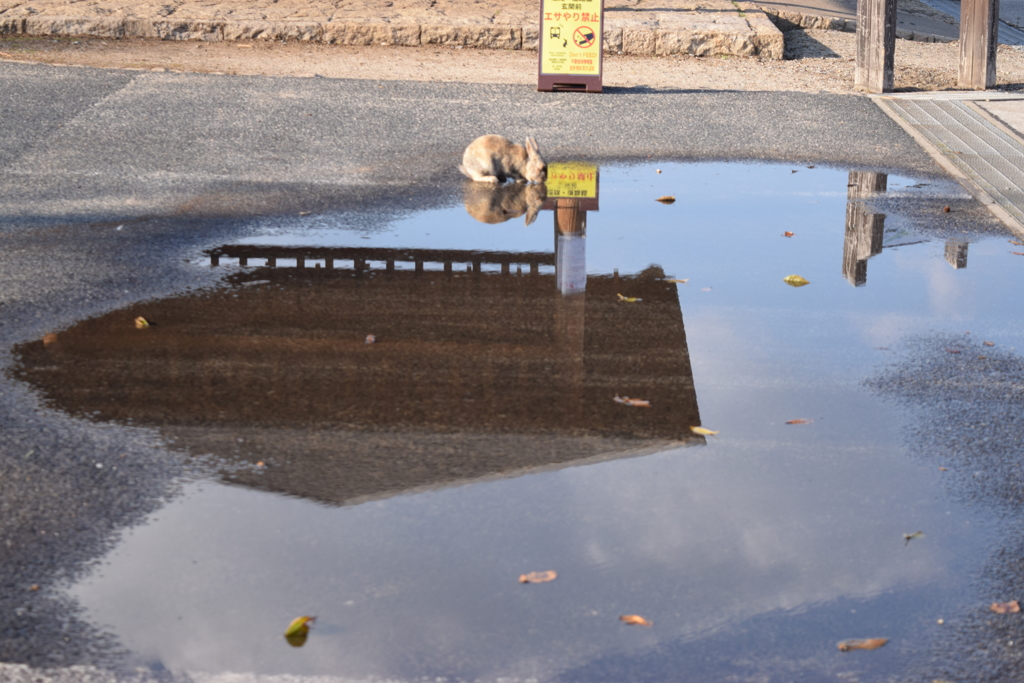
(489, 203)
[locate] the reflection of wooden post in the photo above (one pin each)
(570, 247)
(570, 315)
(956, 254)
(876, 45)
(979, 38)
(864, 231)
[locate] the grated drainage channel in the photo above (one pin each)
(987, 160)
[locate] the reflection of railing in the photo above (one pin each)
(362, 256)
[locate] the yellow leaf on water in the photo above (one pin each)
(49, 339)
(636, 402)
(636, 620)
(795, 281)
(299, 626)
(1011, 607)
(141, 323)
(667, 199)
(861, 644)
(629, 299)
(538, 577)
(702, 431)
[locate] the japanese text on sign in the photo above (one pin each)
(571, 34)
(571, 180)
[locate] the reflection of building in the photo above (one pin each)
(474, 372)
(864, 230)
(956, 253)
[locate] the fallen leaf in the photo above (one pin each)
(629, 299)
(298, 631)
(636, 620)
(657, 170)
(261, 464)
(861, 644)
(636, 402)
(982, 357)
(793, 171)
(952, 350)
(34, 587)
(988, 343)
(1017, 253)
(1019, 244)
(305, 213)
(371, 338)
(788, 234)
(141, 323)
(1011, 607)
(946, 209)
(702, 431)
(680, 282)
(538, 577)
(795, 281)
(907, 538)
(943, 469)
(810, 167)
(49, 339)
(242, 45)
(7, 55)
(667, 199)
(799, 421)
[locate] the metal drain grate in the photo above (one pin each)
(990, 158)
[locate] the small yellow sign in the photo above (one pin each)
(571, 37)
(571, 180)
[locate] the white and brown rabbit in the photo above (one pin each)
(493, 159)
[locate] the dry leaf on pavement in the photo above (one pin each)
(636, 620)
(1011, 607)
(799, 421)
(861, 644)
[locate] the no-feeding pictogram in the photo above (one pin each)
(584, 36)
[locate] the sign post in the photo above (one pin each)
(571, 44)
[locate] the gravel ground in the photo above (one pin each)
(816, 61)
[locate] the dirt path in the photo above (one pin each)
(817, 61)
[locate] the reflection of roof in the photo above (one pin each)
(501, 364)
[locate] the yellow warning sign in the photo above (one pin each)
(571, 37)
(572, 179)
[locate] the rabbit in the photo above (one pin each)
(493, 159)
(491, 204)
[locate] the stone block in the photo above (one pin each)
(492, 37)
(12, 25)
(188, 30)
(638, 41)
(73, 26)
(612, 40)
(355, 33)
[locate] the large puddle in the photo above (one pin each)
(398, 489)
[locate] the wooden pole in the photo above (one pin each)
(979, 38)
(876, 45)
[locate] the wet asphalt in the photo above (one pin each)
(111, 181)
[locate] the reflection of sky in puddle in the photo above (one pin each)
(767, 519)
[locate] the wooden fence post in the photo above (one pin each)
(979, 38)
(876, 45)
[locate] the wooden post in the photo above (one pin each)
(979, 38)
(876, 45)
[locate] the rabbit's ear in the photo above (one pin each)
(531, 146)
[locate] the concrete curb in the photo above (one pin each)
(659, 33)
(788, 21)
